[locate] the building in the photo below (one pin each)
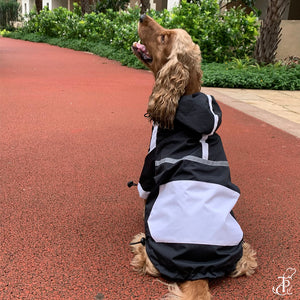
(28, 5)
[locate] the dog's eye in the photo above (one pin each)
(162, 38)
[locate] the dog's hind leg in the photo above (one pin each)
(140, 262)
(247, 264)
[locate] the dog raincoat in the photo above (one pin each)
(191, 232)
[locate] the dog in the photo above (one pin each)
(191, 234)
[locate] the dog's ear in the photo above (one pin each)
(170, 84)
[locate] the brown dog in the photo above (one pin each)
(191, 233)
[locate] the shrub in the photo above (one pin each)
(220, 35)
(9, 12)
(115, 28)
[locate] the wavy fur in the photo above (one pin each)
(173, 78)
(175, 65)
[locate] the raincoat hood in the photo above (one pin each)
(198, 114)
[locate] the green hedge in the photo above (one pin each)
(252, 76)
(220, 35)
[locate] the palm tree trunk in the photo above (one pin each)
(145, 6)
(39, 5)
(270, 32)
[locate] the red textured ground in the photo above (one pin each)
(72, 133)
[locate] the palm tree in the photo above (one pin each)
(39, 5)
(270, 32)
(145, 5)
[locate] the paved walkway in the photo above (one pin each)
(278, 108)
(72, 133)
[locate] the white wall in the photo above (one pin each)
(47, 3)
(290, 40)
(58, 3)
(55, 3)
(26, 6)
(172, 3)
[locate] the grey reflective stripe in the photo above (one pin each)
(192, 158)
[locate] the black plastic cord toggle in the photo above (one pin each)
(142, 241)
(131, 183)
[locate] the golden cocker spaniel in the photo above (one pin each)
(185, 179)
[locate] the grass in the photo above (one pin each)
(235, 74)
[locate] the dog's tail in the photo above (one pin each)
(189, 290)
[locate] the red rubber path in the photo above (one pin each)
(72, 133)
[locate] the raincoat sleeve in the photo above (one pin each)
(146, 181)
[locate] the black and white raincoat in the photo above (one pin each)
(190, 229)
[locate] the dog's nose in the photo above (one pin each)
(142, 18)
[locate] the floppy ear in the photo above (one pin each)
(170, 85)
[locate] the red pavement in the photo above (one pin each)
(72, 133)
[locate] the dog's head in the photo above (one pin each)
(175, 62)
